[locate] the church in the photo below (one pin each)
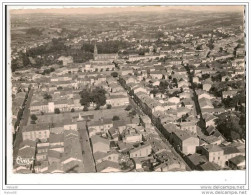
(104, 57)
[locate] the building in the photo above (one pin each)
(102, 125)
(112, 156)
(205, 103)
(24, 163)
(141, 151)
(190, 126)
(132, 138)
(230, 94)
(237, 162)
(104, 57)
(36, 131)
(184, 141)
(72, 159)
(100, 144)
(117, 100)
(207, 86)
(214, 154)
(146, 121)
(108, 167)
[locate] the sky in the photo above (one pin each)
(102, 10)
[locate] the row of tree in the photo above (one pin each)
(106, 46)
(232, 125)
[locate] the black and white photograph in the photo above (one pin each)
(132, 89)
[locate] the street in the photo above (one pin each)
(88, 160)
(168, 145)
(23, 122)
(201, 123)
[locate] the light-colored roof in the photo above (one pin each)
(213, 148)
(140, 147)
(97, 139)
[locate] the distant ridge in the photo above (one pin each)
(127, 9)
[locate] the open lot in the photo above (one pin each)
(59, 118)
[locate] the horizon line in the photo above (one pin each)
(119, 9)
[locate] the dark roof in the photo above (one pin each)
(55, 138)
(183, 135)
(237, 159)
(29, 143)
(209, 166)
(105, 164)
(54, 154)
(99, 155)
(230, 150)
(26, 152)
(197, 159)
(210, 130)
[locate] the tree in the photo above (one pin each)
(129, 107)
(132, 113)
(108, 106)
(229, 102)
(33, 117)
(114, 74)
(199, 47)
(124, 161)
(229, 125)
(115, 118)
(175, 81)
(154, 91)
(56, 111)
(14, 65)
(52, 69)
(147, 166)
(47, 96)
(72, 110)
(159, 34)
(141, 52)
(205, 76)
(85, 95)
(34, 31)
(163, 86)
(210, 44)
(98, 96)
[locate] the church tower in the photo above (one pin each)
(95, 51)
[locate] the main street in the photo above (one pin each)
(23, 122)
(88, 159)
(164, 140)
(201, 123)
(139, 111)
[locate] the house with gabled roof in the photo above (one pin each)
(108, 167)
(184, 141)
(112, 156)
(237, 162)
(214, 153)
(141, 151)
(100, 144)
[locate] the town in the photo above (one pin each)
(131, 92)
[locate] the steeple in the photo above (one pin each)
(95, 50)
